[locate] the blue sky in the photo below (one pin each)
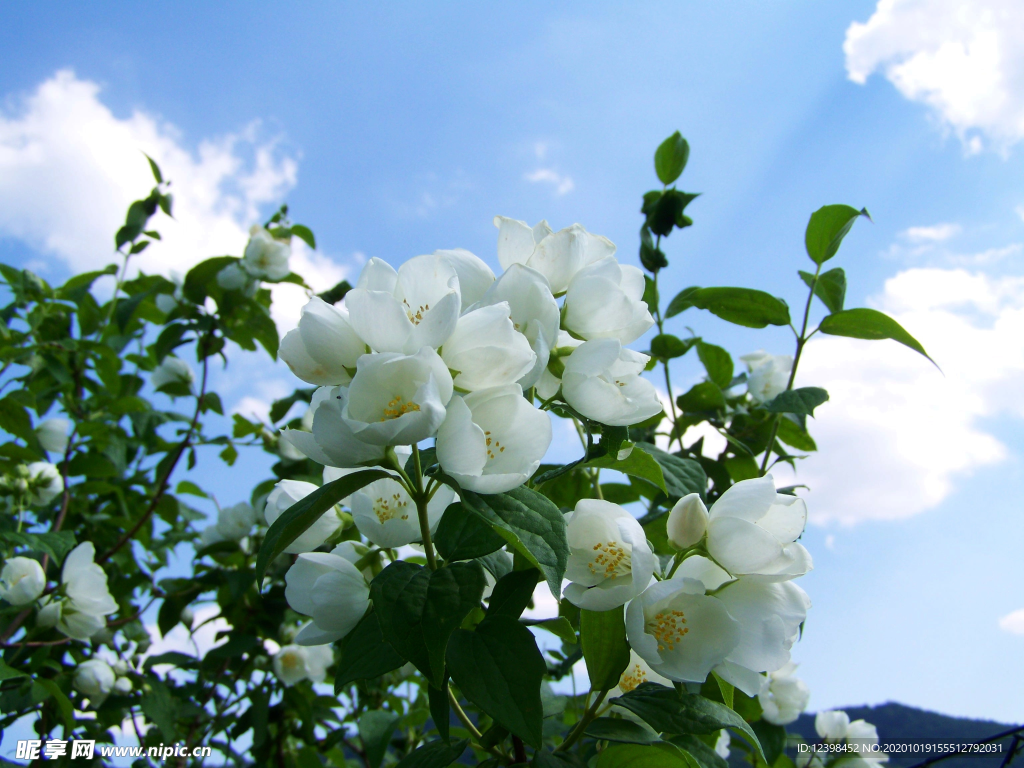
(397, 129)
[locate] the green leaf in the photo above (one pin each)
(203, 277)
(743, 306)
(665, 346)
(793, 435)
(826, 229)
(863, 323)
(682, 476)
(155, 169)
(800, 401)
(670, 158)
(717, 362)
(605, 649)
(440, 709)
(499, 668)
(375, 730)
(645, 756)
(305, 234)
(56, 544)
(772, 739)
(7, 672)
(365, 654)
(703, 397)
(560, 628)
(704, 754)
(636, 463)
(830, 287)
(161, 708)
(67, 712)
(463, 535)
(670, 712)
(531, 524)
(436, 754)
(512, 594)
(622, 731)
(337, 293)
(294, 521)
(418, 609)
(680, 303)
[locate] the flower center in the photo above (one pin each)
(291, 661)
(388, 508)
(667, 627)
(415, 316)
(611, 559)
(631, 678)
(493, 445)
(398, 407)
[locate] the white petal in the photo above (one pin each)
(786, 518)
(515, 241)
(748, 500)
(475, 277)
(379, 319)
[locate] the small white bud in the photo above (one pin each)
(687, 522)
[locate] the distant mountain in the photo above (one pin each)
(896, 721)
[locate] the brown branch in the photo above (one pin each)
(165, 480)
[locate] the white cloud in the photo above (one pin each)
(933, 234)
(1013, 622)
(897, 434)
(962, 58)
(562, 184)
(69, 168)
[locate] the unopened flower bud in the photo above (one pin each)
(687, 522)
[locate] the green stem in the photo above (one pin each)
(801, 341)
(422, 499)
(660, 322)
(581, 726)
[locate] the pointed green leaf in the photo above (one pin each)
(376, 728)
(294, 521)
(659, 755)
(499, 668)
(463, 535)
(800, 401)
(717, 362)
(670, 158)
(826, 229)
(863, 323)
(365, 654)
(605, 649)
(830, 287)
(622, 731)
(743, 306)
(436, 754)
(305, 234)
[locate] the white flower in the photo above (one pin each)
(485, 350)
(534, 312)
(172, 370)
(493, 440)
(232, 278)
(638, 671)
(210, 535)
(475, 277)
(323, 349)
(785, 697)
(680, 631)
(123, 685)
(687, 522)
(22, 581)
(264, 256)
(287, 493)
(53, 434)
(556, 255)
(330, 590)
(832, 725)
(236, 522)
(551, 377)
(768, 374)
(402, 311)
(44, 482)
(86, 600)
(722, 744)
(397, 399)
(287, 451)
(605, 301)
(602, 381)
(95, 679)
(353, 551)
(610, 561)
(331, 441)
(295, 663)
(753, 530)
(768, 616)
(386, 515)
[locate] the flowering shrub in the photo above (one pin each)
(410, 518)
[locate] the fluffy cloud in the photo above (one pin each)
(1013, 622)
(933, 234)
(562, 185)
(897, 434)
(962, 58)
(69, 168)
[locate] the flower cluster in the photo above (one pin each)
(441, 348)
(82, 602)
(728, 603)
